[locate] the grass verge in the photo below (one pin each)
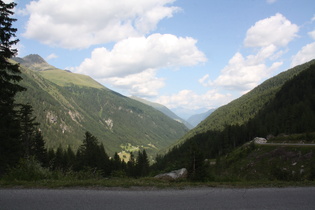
(146, 184)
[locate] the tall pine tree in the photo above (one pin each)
(142, 165)
(10, 146)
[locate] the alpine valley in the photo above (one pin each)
(68, 104)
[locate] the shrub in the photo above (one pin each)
(28, 170)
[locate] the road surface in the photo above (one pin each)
(129, 199)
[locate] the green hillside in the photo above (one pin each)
(66, 78)
(290, 109)
(68, 104)
(247, 106)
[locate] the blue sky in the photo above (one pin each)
(188, 55)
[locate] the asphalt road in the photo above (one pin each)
(128, 199)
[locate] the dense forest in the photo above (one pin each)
(291, 111)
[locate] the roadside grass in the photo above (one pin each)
(148, 183)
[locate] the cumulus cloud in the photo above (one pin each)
(137, 54)
(82, 23)
(143, 84)
(51, 56)
(276, 30)
(306, 54)
(132, 63)
(190, 99)
(267, 37)
(244, 73)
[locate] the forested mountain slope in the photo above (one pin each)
(290, 110)
(68, 104)
(247, 106)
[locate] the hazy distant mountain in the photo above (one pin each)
(185, 113)
(164, 110)
(69, 104)
(194, 120)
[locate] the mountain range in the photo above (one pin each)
(164, 110)
(194, 120)
(190, 123)
(68, 104)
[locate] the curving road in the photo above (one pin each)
(199, 198)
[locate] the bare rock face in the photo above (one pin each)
(173, 175)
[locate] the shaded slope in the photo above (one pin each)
(67, 108)
(247, 106)
(290, 110)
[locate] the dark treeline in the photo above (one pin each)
(10, 117)
(292, 111)
(92, 157)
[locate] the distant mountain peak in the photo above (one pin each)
(34, 58)
(34, 62)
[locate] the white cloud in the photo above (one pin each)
(51, 56)
(243, 73)
(188, 99)
(205, 81)
(137, 54)
(82, 23)
(312, 34)
(276, 30)
(268, 36)
(132, 63)
(306, 54)
(20, 48)
(142, 84)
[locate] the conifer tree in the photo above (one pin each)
(38, 149)
(69, 158)
(90, 155)
(142, 165)
(28, 129)
(131, 166)
(116, 162)
(196, 165)
(10, 147)
(104, 162)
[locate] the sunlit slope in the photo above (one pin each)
(68, 104)
(66, 78)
